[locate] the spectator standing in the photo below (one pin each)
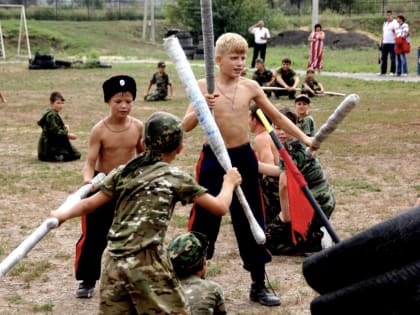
(402, 45)
(263, 76)
(261, 35)
(388, 44)
(316, 40)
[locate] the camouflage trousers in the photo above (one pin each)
(141, 284)
(279, 239)
(157, 95)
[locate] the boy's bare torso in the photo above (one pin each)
(118, 143)
(231, 110)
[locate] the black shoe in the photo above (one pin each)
(85, 290)
(260, 294)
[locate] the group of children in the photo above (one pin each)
(131, 208)
(54, 143)
(284, 81)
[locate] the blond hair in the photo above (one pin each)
(231, 43)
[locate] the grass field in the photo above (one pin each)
(372, 161)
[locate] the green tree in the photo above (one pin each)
(228, 15)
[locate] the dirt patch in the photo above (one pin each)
(334, 40)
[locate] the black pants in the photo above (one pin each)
(258, 49)
(210, 175)
(92, 242)
(388, 49)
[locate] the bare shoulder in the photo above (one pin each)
(137, 122)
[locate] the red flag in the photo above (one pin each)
(301, 210)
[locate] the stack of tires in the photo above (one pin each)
(199, 51)
(185, 40)
(374, 272)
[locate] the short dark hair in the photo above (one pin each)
(56, 96)
(389, 11)
(401, 17)
(253, 109)
(286, 60)
(286, 111)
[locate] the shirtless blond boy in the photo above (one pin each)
(230, 105)
(113, 141)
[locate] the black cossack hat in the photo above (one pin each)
(119, 84)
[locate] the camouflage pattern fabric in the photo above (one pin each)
(138, 275)
(204, 297)
(141, 284)
(279, 240)
(313, 84)
(145, 203)
(164, 132)
(161, 91)
(54, 144)
(270, 191)
(307, 125)
(187, 252)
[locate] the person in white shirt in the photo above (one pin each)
(261, 35)
(388, 44)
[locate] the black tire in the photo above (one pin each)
(394, 292)
(383, 247)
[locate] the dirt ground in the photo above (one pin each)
(23, 208)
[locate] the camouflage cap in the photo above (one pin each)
(187, 252)
(163, 132)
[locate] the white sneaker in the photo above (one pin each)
(404, 75)
(391, 74)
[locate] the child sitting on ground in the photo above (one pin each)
(54, 144)
(187, 253)
(137, 277)
(161, 79)
(310, 86)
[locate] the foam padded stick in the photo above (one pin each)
(383, 247)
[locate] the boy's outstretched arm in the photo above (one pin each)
(220, 204)
(84, 206)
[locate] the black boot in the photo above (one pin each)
(259, 293)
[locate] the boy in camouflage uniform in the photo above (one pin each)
(54, 143)
(187, 253)
(263, 76)
(305, 121)
(310, 86)
(138, 278)
(161, 79)
(279, 240)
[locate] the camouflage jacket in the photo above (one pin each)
(288, 77)
(205, 297)
(312, 83)
(161, 80)
(145, 200)
(307, 125)
(262, 77)
(54, 139)
(314, 175)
